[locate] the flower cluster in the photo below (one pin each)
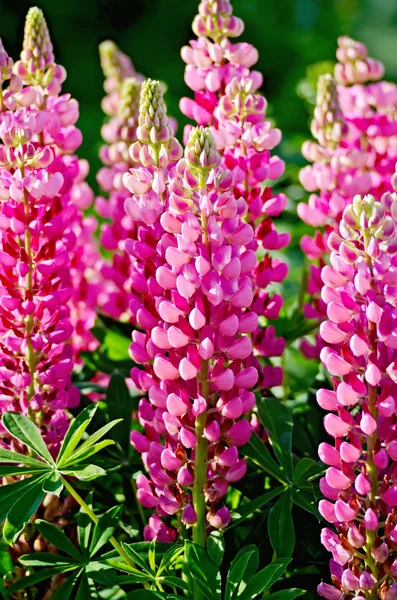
(121, 104)
(41, 187)
(360, 482)
(193, 272)
(355, 127)
(226, 98)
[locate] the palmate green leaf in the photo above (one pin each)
(10, 494)
(144, 595)
(6, 456)
(281, 526)
(84, 455)
(243, 511)
(84, 526)
(216, 546)
(45, 559)
(86, 473)
(35, 578)
(203, 570)
(83, 592)
(75, 433)
(286, 594)
(24, 430)
(264, 579)
(22, 510)
(11, 470)
(169, 557)
(277, 420)
(257, 450)
(126, 568)
(175, 582)
(306, 499)
(53, 484)
(56, 536)
(242, 569)
(65, 591)
(306, 469)
(104, 529)
(89, 443)
(120, 406)
(137, 558)
(101, 573)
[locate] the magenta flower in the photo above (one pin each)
(42, 189)
(354, 153)
(359, 484)
(193, 291)
(226, 98)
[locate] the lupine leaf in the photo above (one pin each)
(53, 484)
(243, 511)
(137, 558)
(202, 569)
(305, 469)
(22, 511)
(82, 455)
(104, 529)
(11, 470)
(175, 582)
(45, 559)
(216, 546)
(10, 494)
(264, 579)
(120, 406)
(88, 473)
(84, 526)
(76, 432)
(172, 554)
(281, 526)
(24, 430)
(242, 569)
(6, 456)
(65, 590)
(42, 575)
(277, 420)
(286, 594)
(56, 536)
(257, 450)
(144, 595)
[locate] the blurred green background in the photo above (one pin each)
(289, 34)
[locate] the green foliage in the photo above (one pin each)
(19, 501)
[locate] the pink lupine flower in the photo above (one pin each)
(41, 186)
(192, 305)
(355, 153)
(226, 98)
(359, 483)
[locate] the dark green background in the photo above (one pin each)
(290, 35)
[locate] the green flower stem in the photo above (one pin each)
(29, 321)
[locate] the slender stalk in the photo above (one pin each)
(29, 288)
(95, 519)
(201, 450)
(371, 467)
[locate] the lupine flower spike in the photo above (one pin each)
(354, 153)
(226, 98)
(41, 184)
(192, 269)
(359, 290)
